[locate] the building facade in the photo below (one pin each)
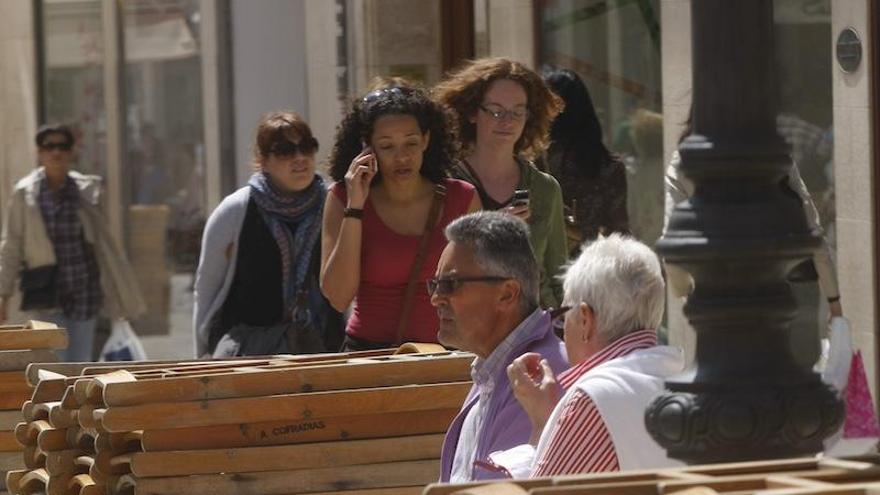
(165, 95)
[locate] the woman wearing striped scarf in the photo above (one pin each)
(257, 283)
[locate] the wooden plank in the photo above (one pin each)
(20, 359)
(13, 381)
(403, 490)
(295, 432)
(447, 489)
(8, 419)
(62, 461)
(60, 417)
(13, 478)
(278, 458)
(15, 340)
(504, 488)
(394, 474)
(11, 460)
(320, 377)
(285, 407)
(31, 482)
(10, 401)
(8, 442)
(50, 390)
(52, 439)
(33, 457)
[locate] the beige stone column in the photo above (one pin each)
(854, 187)
(18, 94)
(677, 79)
(512, 30)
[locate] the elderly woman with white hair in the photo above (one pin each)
(614, 294)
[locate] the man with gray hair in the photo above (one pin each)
(615, 295)
(486, 293)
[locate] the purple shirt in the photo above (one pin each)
(505, 423)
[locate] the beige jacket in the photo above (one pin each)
(25, 244)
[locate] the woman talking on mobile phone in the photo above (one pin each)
(504, 111)
(384, 217)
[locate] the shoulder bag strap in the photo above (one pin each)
(433, 218)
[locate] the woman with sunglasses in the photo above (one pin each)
(56, 241)
(384, 219)
(256, 289)
(504, 111)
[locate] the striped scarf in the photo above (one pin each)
(295, 223)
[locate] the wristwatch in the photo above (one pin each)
(353, 213)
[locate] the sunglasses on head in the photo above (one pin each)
(56, 146)
(384, 92)
(447, 285)
(306, 146)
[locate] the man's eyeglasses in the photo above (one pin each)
(448, 285)
(500, 114)
(306, 146)
(56, 146)
(385, 92)
(557, 319)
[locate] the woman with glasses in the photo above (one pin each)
(256, 289)
(504, 111)
(384, 219)
(57, 243)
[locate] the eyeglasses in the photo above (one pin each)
(557, 319)
(306, 146)
(501, 114)
(448, 285)
(56, 146)
(385, 92)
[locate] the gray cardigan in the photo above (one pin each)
(217, 263)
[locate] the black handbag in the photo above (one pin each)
(38, 288)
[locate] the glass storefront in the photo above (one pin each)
(163, 169)
(615, 48)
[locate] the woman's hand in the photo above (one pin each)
(357, 179)
(535, 387)
(522, 211)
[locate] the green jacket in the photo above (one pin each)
(546, 223)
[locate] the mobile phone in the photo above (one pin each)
(520, 198)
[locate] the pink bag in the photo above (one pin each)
(861, 419)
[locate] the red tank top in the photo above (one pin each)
(386, 260)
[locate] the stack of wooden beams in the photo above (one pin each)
(21, 345)
(304, 424)
(807, 476)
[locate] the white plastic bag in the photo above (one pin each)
(841, 367)
(123, 344)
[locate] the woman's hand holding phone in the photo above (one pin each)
(357, 180)
(519, 206)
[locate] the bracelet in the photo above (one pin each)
(353, 213)
(833, 299)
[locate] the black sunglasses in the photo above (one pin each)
(306, 146)
(383, 92)
(56, 146)
(557, 319)
(448, 285)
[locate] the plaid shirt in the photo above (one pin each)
(78, 281)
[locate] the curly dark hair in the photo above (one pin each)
(357, 127)
(464, 90)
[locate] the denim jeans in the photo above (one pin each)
(80, 337)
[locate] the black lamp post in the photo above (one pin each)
(738, 236)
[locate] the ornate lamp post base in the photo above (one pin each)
(739, 236)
